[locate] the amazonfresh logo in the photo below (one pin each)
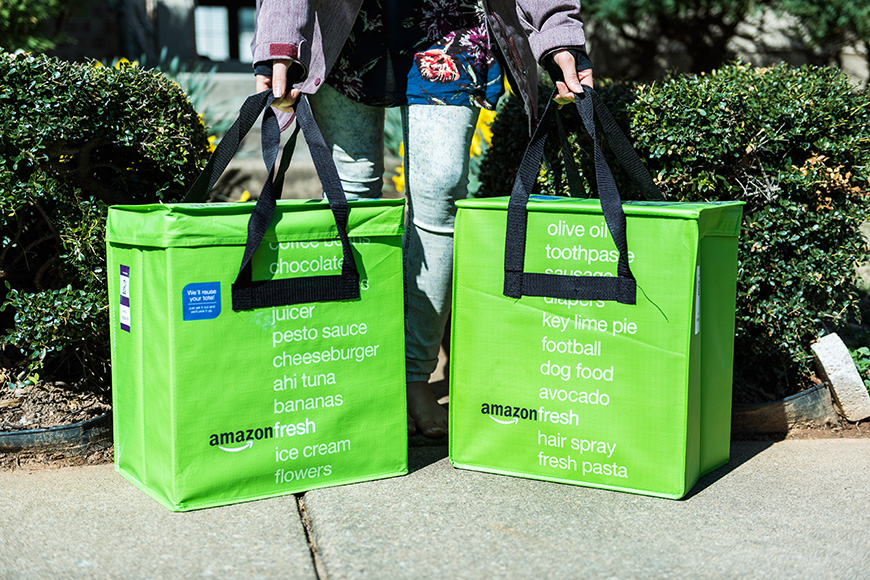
(511, 415)
(235, 441)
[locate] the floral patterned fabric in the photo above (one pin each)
(419, 52)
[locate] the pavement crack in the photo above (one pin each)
(307, 525)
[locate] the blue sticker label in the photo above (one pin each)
(202, 301)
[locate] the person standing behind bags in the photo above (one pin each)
(441, 61)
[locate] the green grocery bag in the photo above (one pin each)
(283, 375)
(592, 340)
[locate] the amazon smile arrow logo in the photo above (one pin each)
(511, 421)
(247, 445)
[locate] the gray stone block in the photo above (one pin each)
(835, 365)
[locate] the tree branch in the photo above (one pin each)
(15, 239)
(83, 171)
(30, 246)
(48, 221)
(37, 278)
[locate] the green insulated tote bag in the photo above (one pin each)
(285, 374)
(592, 340)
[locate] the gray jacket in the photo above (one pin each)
(313, 32)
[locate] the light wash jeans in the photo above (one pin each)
(437, 139)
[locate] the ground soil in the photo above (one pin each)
(846, 430)
(44, 405)
(53, 404)
(34, 460)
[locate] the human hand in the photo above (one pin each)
(278, 85)
(573, 80)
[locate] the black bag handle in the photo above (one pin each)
(247, 293)
(621, 288)
(621, 147)
(575, 184)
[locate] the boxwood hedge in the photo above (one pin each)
(74, 139)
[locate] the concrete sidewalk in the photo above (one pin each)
(790, 509)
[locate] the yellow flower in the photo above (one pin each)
(476, 149)
(399, 178)
(484, 125)
(507, 85)
(124, 62)
(211, 143)
(482, 133)
(246, 195)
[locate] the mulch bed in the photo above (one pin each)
(44, 405)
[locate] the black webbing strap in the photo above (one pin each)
(621, 288)
(286, 156)
(625, 152)
(247, 293)
(226, 149)
(575, 184)
(621, 147)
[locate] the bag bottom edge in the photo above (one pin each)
(192, 506)
(524, 475)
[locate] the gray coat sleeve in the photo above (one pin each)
(280, 29)
(310, 32)
(526, 31)
(551, 25)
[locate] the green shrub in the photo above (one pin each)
(857, 336)
(75, 138)
(795, 145)
(861, 356)
(198, 82)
